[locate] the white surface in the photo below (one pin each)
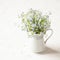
(13, 42)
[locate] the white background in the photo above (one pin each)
(12, 40)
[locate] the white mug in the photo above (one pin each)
(38, 43)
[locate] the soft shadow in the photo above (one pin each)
(49, 51)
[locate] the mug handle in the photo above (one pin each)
(49, 36)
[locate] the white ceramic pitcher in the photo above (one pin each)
(38, 43)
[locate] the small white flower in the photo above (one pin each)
(29, 18)
(33, 25)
